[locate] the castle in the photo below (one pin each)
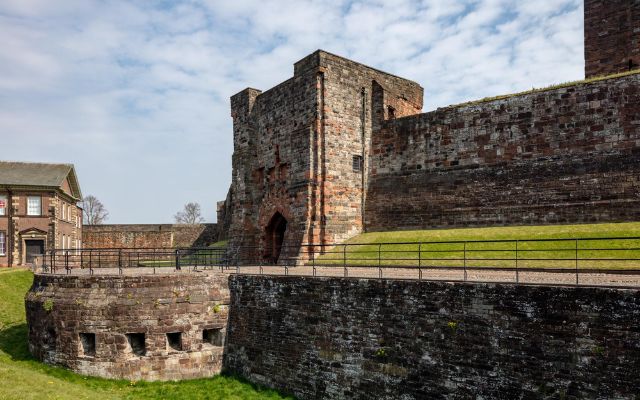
(342, 148)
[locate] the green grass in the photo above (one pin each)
(500, 254)
(21, 377)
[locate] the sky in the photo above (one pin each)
(136, 93)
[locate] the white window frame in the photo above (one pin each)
(3, 210)
(29, 211)
(64, 211)
(3, 243)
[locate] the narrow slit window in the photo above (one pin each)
(174, 340)
(391, 112)
(357, 163)
(88, 344)
(214, 336)
(137, 343)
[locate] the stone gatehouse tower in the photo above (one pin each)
(342, 148)
(300, 151)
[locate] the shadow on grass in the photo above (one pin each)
(13, 341)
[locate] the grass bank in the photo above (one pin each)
(446, 247)
(23, 378)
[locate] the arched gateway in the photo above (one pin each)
(274, 237)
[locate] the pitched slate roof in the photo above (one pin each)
(39, 174)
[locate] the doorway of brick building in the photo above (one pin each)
(275, 231)
(33, 248)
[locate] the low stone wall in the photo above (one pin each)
(152, 327)
(148, 236)
(361, 339)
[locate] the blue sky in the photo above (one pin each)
(136, 94)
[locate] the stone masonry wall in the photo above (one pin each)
(337, 338)
(611, 36)
(122, 313)
(346, 128)
(294, 149)
(565, 155)
(149, 236)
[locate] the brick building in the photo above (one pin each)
(342, 148)
(38, 210)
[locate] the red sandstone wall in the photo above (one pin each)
(148, 236)
(61, 308)
(345, 114)
(294, 146)
(612, 36)
(557, 156)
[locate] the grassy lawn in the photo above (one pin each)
(23, 378)
(598, 254)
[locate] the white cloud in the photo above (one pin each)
(136, 93)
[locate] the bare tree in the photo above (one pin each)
(93, 211)
(189, 215)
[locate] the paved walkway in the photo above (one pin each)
(502, 276)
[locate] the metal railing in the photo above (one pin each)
(120, 259)
(575, 256)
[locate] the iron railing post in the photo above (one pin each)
(66, 261)
(177, 259)
(379, 261)
(464, 254)
(577, 281)
(419, 261)
(517, 274)
(120, 261)
(344, 259)
(313, 260)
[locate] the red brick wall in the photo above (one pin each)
(50, 222)
(612, 36)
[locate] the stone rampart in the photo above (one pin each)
(363, 339)
(152, 327)
(565, 155)
(149, 235)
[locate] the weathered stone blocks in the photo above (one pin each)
(152, 327)
(567, 155)
(336, 338)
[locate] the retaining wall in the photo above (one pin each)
(361, 339)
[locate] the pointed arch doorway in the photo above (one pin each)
(275, 231)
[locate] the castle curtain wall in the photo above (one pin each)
(566, 155)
